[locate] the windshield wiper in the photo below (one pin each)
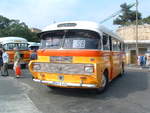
(63, 39)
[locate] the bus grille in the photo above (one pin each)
(62, 68)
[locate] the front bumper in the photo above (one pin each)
(64, 84)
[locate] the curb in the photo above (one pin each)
(138, 68)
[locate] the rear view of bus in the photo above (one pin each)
(72, 56)
(9, 43)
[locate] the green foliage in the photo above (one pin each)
(128, 16)
(11, 27)
(146, 20)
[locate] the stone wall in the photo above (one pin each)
(128, 32)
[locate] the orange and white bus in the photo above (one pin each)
(78, 54)
(33, 46)
(9, 43)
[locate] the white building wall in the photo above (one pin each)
(128, 33)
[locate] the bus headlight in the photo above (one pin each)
(36, 66)
(89, 69)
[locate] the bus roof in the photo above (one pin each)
(4, 40)
(33, 44)
(86, 25)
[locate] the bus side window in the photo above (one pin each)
(110, 43)
(123, 47)
(1, 46)
(106, 44)
(100, 43)
(115, 45)
(119, 46)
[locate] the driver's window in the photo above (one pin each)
(106, 45)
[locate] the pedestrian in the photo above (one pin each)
(1, 61)
(148, 60)
(17, 59)
(5, 58)
(138, 60)
(141, 60)
(145, 59)
(33, 55)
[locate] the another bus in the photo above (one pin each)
(33, 45)
(78, 54)
(9, 43)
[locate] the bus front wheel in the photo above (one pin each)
(104, 83)
(52, 87)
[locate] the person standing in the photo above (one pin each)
(33, 55)
(5, 58)
(148, 60)
(145, 60)
(17, 59)
(138, 60)
(1, 61)
(141, 60)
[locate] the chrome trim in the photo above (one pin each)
(63, 68)
(65, 84)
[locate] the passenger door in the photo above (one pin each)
(107, 53)
(116, 57)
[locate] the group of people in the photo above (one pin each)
(142, 60)
(4, 61)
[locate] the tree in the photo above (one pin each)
(11, 27)
(128, 16)
(146, 20)
(4, 22)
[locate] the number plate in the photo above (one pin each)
(59, 83)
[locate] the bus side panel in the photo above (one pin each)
(108, 63)
(116, 63)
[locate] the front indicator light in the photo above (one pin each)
(89, 69)
(36, 67)
(83, 78)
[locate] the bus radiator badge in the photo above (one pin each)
(61, 77)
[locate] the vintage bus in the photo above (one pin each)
(9, 43)
(78, 54)
(33, 45)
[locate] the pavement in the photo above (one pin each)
(135, 67)
(14, 98)
(127, 94)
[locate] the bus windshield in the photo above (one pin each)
(20, 46)
(71, 39)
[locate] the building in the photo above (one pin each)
(35, 30)
(128, 33)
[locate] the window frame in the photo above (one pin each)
(108, 41)
(99, 44)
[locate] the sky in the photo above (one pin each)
(41, 13)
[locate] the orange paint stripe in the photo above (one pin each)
(88, 53)
(25, 52)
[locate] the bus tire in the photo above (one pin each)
(23, 66)
(105, 83)
(52, 87)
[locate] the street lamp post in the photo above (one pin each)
(136, 33)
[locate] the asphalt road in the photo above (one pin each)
(127, 94)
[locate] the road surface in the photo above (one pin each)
(127, 94)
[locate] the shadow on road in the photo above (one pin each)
(121, 87)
